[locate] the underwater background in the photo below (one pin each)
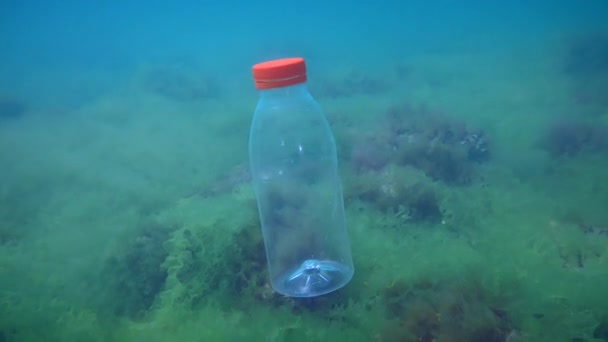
(473, 148)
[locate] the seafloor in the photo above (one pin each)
(474, 183)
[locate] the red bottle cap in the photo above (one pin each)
(279, 73)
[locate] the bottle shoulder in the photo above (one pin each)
(288, 110)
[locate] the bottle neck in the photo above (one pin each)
(277, 93)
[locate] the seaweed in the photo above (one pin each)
(426, 311)
(134, 277)
(372, 155)
(423, 203)
(440, 162)
(228, 181)
(443, 148)
(569, 138)
(224, 268)
(250, 268)
(393, 192)
(237, 278)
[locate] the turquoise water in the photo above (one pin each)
(473, 144)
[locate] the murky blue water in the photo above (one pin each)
(472, 145)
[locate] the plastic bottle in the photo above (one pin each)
(294, 170)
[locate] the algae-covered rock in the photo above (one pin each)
(134, 276)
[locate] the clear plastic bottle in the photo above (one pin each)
(294, 170)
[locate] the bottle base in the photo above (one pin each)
(314, 278)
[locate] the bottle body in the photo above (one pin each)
(294, 171)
